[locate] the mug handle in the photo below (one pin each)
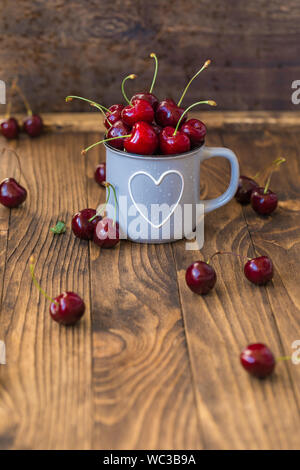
(209, 152)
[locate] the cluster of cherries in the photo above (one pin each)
(262, 199)
(147, 126)
(154, 128)
(32, 124)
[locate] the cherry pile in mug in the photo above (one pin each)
(147, 126)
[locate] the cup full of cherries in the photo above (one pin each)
(153, 156)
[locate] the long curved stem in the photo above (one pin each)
(9, 149)
(276, 164)
(107, 185)
(102, 141)
(153, 56)
(210, 102)
(93, 103)
(129, 77)
(204, 66)
(226, 253)
(31, 268)
(10, 95)
(25, 101)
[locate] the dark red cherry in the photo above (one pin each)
(143, 140)
(168, 113)
(10, 128)
(81, 226)
(195, 130)
(113, 115)
(67, 308)
(259, 270)
(263, 203)
(258, 360)
(173, 144)
(140, 110)
(157, 129)
(33, 125)
(106, 233)
(12, 194)
(147, 96)
(245, 187)
(200, 277)
(117, 130)
(100, 173)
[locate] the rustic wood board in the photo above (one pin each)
(151, 365)
(88, 47)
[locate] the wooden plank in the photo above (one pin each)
(254, 55)
(215, 120)
(236, 411)
(143, 393)
(278, 235)
(45, 388)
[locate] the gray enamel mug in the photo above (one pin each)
(159, 196)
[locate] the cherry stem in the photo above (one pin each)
(226, 253)
(11, 92)
(210, 102)
(31, 268)
(25, 101)
(116, 201)
(283, 358)
(107, 185)
(153, 56)
(96, 105)
(9, 149)
(276, 164)
(131, 77)
(102, 141)
(204, 66)
(93, 103)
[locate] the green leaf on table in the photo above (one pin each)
(60, 227)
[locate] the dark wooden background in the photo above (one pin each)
(58, 47)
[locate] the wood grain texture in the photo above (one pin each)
(275, 121)
(238, 412)
(86, 47)
(151, 365)
(45, 391)
(143, 394)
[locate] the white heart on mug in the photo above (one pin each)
(157, 182)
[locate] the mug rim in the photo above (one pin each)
(176, 156)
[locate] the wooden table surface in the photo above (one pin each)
(151, 365)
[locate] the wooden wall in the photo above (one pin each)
(86, 47)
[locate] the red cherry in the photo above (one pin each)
(263, 203)
(245, 187)
(140, 110)
(258, 360)
(147, 96)
(82, 227)
(172, 144)
(100, 173)
(157, 129)
(33, 125)
(117, 130)
(200, 277)
(195, 130)
(168, 113)
(143, 140)
(12, 194)
(67, 308)
(106, 233)
(259, 270)
(113, 115)
(10, 128)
